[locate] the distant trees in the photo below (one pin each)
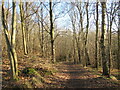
(78, 40)
(11, 41)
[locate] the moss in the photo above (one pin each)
(19, 72)
(29, 71)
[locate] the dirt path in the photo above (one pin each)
(68, 75)
(75, 76)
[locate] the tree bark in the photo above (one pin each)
(52, 33)
(81, 35)
(42, 45)
(96, 38)
(11, 45)
(86, 37)
(119, 41)
(23, 28)
(13, 36)
(104, 60)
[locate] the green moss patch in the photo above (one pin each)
(28, 71)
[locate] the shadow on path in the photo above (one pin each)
(75, 76)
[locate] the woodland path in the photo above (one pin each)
(75, 76)
(68, 75)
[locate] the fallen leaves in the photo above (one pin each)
(64, 75)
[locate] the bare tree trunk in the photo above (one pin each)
(78, 50)
(74, 50)
(52, 33)
(96, 38)
(119, 41)
(86, 36)
(23, 27)
(27, 29)
(11, 45)
(39, 35)
(42, 45)
(104, 60)
(13, 37)
(81, 35)
(109, 46)
(33, 49)
(109, 31)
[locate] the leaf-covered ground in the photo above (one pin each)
(59, 75)
(75, 76)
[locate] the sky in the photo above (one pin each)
(64, 0)
(63, 22)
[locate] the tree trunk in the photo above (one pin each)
(104, 60)
(109, 46)
(74, 50)
(119, 41)
(27, 29)
(86, 36)
(52, 33)
(13, 37)
(42, 45)
(11, 45)
(81, 35)
(96, 38)
(78, 49)
(23, 28)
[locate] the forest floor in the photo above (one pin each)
(60, 75)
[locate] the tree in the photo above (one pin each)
(96, 38)
(52, 33)
(119, 41)
(11, 42)
(110, 17)
(86, 37)
(41, 29)
(73, 21)
(103, 55)
(23, 27)
(79, 40)
(42, 45)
